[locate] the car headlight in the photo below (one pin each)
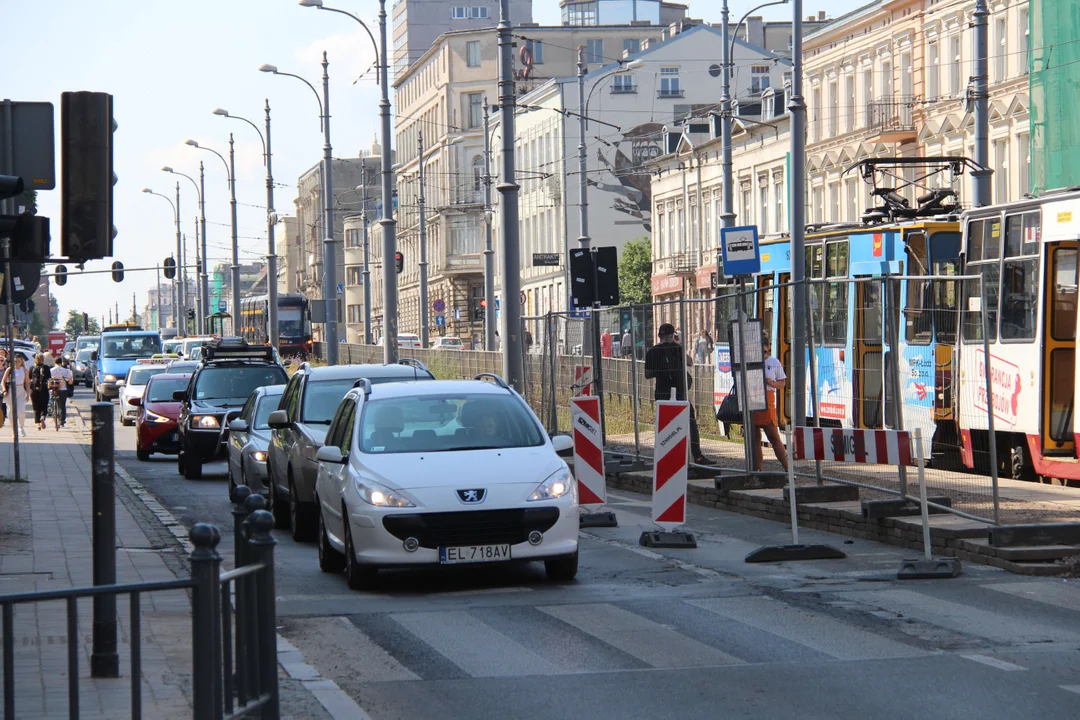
(258, 456)
(80, 367)
(205, 422)
(558, 484)
(108, 377)
(375, 494)
(153, 417)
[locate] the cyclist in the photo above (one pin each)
(64, 381)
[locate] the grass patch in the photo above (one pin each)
(11, 480)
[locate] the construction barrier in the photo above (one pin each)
(588, 451)
(670, 475)
(582, 380)
(847, 445)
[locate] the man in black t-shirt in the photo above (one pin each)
(665, 363)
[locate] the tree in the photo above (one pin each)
(635, 272)
(37, 326)
(54, 313)
(74, 325)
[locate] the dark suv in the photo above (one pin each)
(219, 387)
(298, 430)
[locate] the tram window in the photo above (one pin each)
(727, 303)
(920, 300)
(992, 240)
(976, 301)
(1062, 381)
(1022, 234)
(1019, 299)
(1032, 233)
(835, 311)
(975, 240)
(1063, 318)
(871, 312)
(945, 261)
(815, 270)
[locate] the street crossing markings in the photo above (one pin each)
(646, 640)
(1057, 594)
(473, 646)
(337, 638)
(962, 618)
(1071, 688)
(994, 662)
(832, 637)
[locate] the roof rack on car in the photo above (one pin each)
(365, 384)
(236, 348)
(492, 376)
(413, 362)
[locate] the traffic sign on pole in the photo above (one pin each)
(440, 321)
(439, 305)
(739, 250)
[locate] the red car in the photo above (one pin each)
(155, 425)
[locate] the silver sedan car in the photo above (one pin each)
(249, 440)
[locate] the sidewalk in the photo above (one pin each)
(45, 532)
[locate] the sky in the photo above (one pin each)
(168, 65)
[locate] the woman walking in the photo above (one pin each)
(775, 379)
(39, 390)
(17, 383)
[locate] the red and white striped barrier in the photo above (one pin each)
(582, 380)
(850, 445)
(670, 463)
(588, 450)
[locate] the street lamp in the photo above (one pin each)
(200, 277)
(271, 252)
(178, 287)
(389, 225)
(329, 256)
(230, 169)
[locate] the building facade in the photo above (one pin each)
(417, 24)
(364, 204)
(893, 79)
(287, 242)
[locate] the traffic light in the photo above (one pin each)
(60, 275)
(170, 268)
(118, 271)
(85, 323)
(87, 179)
(399, 262)
(29, 233)
(27, 306)
(191, 314)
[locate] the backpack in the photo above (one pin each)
(39, 378)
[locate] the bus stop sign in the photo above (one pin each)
(739, 246)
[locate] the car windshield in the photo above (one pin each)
(90, 343)
(322, 397)
(171, 346)
(290, 321)
(142, 375)
(162, 389)
(447, 423)
(449, 341)
(182, 366)
(267, 405)
(236, 382)
(84, 355)
(128, 348)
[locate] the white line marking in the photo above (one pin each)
(1071, 688)
(994, 662)
(482, 591)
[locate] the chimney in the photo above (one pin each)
(755, 31)
(821, 15)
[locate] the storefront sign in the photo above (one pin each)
(666, 284)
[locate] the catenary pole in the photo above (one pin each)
(423, 246)
(980, 95)
(389, 225)
(796, 201)
(510, 258)
(329, 254)
(489, 250)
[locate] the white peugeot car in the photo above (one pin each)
(134, 384)
(442, 472)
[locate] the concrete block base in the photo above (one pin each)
(923, 569)
(877, 509)
(752, 481)
(823, 493)
(668, 540)
(597, 519)
(783, 553)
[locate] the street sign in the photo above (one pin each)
(340, 288)
(546, 260)
(457, 314)
(33, 144)
(440, 321)
(222, 306)
(579, 314)
(739, 246)
(439, 305)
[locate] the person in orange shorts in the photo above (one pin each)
(775, 379)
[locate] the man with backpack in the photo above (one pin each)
(666, 363)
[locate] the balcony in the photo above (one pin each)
(682, 263)
(670, 93)
(624, 89)
(891, 119)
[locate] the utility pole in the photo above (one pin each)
(199, 310)
(583, 184)
(980, 94)
(797, 195)
(201, 278)
(389, 225)
(179, 269)
(727, 214)
(423, 249)
(157, 293)
(271, 246)
(489, 251)
(367, 263)
(134, 312)
(510, 257)
(329, 256)
(235, 309)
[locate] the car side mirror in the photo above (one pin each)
(238, 426)
(179, 395)
(120, 383)
(135, 401)
(93, 355)
(278, 420)
(330, 454)
(563, 445)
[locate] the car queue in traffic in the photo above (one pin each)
(380, 465)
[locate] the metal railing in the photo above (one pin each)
(891, 114)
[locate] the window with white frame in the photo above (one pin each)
(623, 83)
(472, 53)
(478, 13)
(477, 177)
(459, 13)
(474, 109)
(594, 51)
(817, 204)
(661, 246)
(680, 230)
(747, 210)
(706, 220)
(693, 238)
(536, 50)
(778, 203)
(832, 110)
(631, 45)
(1001, 50)
(763, 205)
(1023, 159)
(1024, 33)
(669, 82)
(353, 276)
(956, 66)
(932, 61)
(834, 202)
(354, 314)
(849, 102)
(759, 78)
(907, 86)
(867, 93)
(817, 110)
(1001, 170)
(672, 242)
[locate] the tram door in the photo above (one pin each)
(783, 347)
(1059, 354)
(869, 376)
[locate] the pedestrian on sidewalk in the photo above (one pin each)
(17, 384)
(775, 379)
(39, 390)
(66, 378)
(50, 361)
(666, 363)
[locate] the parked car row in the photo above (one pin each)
(380, 465)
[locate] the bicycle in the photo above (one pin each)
(55, 388)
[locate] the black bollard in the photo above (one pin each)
(205, 622)
(104, 660)
(262, 551)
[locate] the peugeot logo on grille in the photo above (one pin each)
(471, 497)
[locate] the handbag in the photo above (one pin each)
(729, 412)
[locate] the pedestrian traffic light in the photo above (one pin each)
(399, 262)
(191, 314)
(170, 268)
(60, 276)
(118, 271)
(87, 179)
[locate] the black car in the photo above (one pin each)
(217, 391)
